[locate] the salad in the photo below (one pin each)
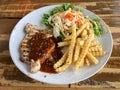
(62, 17)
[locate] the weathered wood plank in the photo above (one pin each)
(7, 10)
(8, 76)
(114, 62)
(12, 11)
(55, 1)
(4, 37)
(7, 25)
(60, 88)
(4, 45)
(21, 10)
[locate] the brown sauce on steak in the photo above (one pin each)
(46, 50)
(47, 66)
(41, 47)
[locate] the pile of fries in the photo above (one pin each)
(82, 47)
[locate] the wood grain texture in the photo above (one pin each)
(42, 88)
(11, 11)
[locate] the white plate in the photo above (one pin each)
(68, 76)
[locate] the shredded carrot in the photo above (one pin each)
(72, 11)
(79, 20)
(69, 16)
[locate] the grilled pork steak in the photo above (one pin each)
(40, 47)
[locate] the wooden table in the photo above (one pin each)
(11, 11)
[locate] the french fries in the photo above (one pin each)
(96, 48)
(99, 53)
(84, 52)
(83, 48)
(62, 44)
(92, 58)
(87, 63)
(81, 29)
(77, 50)
(94, 42)
(70, 52)
(61, 61)
(68, 38)
(84, 33)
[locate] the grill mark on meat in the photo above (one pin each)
(43, 46)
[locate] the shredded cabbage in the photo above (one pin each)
(62, 8)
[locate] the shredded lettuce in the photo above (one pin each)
(62, 35)
(45, 20)
(98, 30)
(97, 27)
(56, 32)
(61, 8)
(96, 19)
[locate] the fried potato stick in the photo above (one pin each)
(62, 44)
(70, 52)
(87, 63)
(99, 53)
(96, 48)
(81, 29)
(81, 42)
(84, 33)
(78, 31)
(84, 52)
(66, 43)
(94, 42)
(61, 61)
(92, 58)
(81, 63)
(68, 38)
(77, 50)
